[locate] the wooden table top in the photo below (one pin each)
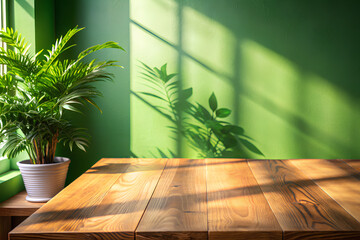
(204, 199)
(18, 206)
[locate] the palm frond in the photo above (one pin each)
(70, 135)
(98, 47)
(35, 93)
(14, 39)
(14, 144)
(18, 63)
(58, 48)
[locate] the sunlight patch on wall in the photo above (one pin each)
(208, 62)
(158, 16)
(268, 79)
(331, 111)
(269, 74)
(208, 41)
(148, 128)
(290, 111)
(303, 111)
(24, 21)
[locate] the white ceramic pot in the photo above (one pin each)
(44, 181)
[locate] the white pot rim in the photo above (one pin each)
(58, 161)
(44, 181)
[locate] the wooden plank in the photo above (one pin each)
(125, 203)
(300, 205)
(337, 179)
(237, 208)
(354, 163)
(325, 235)
(18, 206)
(75, 201)
(71, 236)
(177, 209)
(106, 202)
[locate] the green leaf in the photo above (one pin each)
(213, 124)
(89, 100)
(71, 108)
(229, 141)
(153, 95)
(223, 112)
(251, 146)
(98, 47)
(58, 48)
(14, 39)
(159, 73)
(170, 76)
(163, 69)
(187, 93)
(236, 130)
(80, 146)
(35, 92)
(202, 113)
(213, 102)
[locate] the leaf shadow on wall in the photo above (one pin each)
(206, 131)
(307, 35)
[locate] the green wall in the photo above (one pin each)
(287, 69)
(44, 24)
(22, 18)
(103, 21)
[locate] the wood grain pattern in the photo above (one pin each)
(202, 199)
(13, 211)
(18, 206)
(75, 202)
(298, 203)
(237, 208)
(324, 235)
(71, 236)
(337, 179)
(354, 163)
(125, 203)
(108, 200)
(177, 209)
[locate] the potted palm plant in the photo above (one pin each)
(35, 93)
